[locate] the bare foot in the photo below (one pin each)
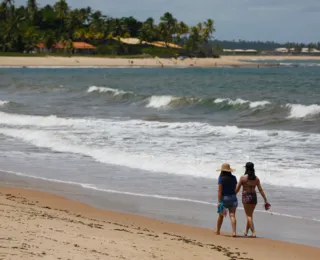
(234, 234)
(218, 233)
(254, 234)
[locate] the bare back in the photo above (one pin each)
(249, 185)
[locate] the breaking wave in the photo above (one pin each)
(303, 111)
(290, 111)
(169, 147)
(169, 101)
(105, 90)
(239, 101)
(3, 102)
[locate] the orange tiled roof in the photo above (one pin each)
(76, 45)
(82, 45)
(40, 45)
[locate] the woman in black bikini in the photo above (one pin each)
(249, 196)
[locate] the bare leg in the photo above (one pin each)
(232, 214)
(247, 229)
(219, 223)
(249, 209)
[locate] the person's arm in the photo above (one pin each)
(220, 190)
(262, 192)
(239, 185)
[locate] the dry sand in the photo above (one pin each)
(117, 62)
(37, 225)
(224, 61)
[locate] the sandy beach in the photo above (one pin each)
(224, 61)
(119, 62)
(39, 225)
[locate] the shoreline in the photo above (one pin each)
(98, 225)
(73, 225)
(101, 62)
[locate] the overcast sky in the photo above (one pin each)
(278, 20)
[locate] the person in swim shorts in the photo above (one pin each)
(249, 181)
(227, 196)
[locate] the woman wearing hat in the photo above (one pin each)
(227, 196)
(249, 181)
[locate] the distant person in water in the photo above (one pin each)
(249, 181)
(227, 197)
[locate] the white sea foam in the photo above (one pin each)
(301, 111)
(105, 89)
(3, 102)
(42, 121)
(190, 148)
(239, 101)
(160, 101)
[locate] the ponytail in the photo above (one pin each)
(250, 171)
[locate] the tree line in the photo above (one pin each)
(22, 27)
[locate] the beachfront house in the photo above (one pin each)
(240, 51)
(75, 48)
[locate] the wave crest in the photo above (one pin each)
(3, 102)
(105, 90)
(239, 101)
(160, 101)
(303, 111)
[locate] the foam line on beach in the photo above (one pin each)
(154, 196)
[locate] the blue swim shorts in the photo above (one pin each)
(230, 201)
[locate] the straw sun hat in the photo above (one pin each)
(226, 168)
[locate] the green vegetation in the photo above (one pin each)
(22, 28)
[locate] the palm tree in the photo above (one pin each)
(182, 29)
(79, 34)
(168, 27)
(12, 32)
(148, 31)
(194, 40)
(30, 38)
(49, 40)
(32, 10)
(61, 8)
(208, 30)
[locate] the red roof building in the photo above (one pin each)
(77, 46)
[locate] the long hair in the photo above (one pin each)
(227, 177)
(250, 171)
(225, 174)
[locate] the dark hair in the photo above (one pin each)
(225, 174)
(250, 171)
(227, 177)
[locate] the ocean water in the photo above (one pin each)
(162, 133)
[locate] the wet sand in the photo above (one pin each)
(37, 224)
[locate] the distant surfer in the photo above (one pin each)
(249, 181)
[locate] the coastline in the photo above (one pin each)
(82, 61)
(56, 226)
